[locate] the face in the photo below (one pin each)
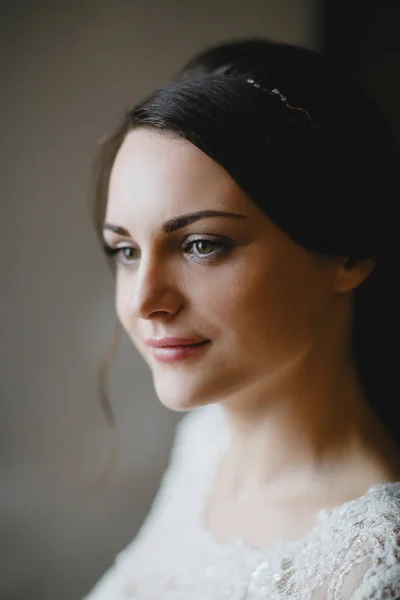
(237, 281)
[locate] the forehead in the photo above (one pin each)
(162, 176)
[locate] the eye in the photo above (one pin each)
(113, 252)
(202, 246)
(205, 247)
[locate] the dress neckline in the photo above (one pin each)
(287, 545)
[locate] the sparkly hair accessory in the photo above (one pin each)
(282, 97)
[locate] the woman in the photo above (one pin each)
(246, 211)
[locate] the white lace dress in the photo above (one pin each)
(351, 553)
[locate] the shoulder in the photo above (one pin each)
(197, 438)
(374, 514)
(199, 430)
(377, 514)
(371, 526)
(196, 435)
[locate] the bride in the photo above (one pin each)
(246, 210)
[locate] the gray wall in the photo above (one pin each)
(68, 71)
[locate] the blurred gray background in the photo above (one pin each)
(68, 72)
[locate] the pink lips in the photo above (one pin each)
(171, 349)
(171, 341)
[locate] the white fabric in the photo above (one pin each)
(351, 553)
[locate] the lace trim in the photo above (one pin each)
(388, 492)
(352, 551)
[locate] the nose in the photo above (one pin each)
(155, 290)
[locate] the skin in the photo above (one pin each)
(278, 317)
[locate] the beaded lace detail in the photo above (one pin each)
(352, 551)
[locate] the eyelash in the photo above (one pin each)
(223, 248)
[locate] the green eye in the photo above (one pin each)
(204, 248)
(202, 245)
(113, 252)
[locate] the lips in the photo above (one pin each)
(196, 344)
(170, 342)
(169, 354)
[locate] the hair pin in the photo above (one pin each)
(283, 98)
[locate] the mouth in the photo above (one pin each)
(174, 353)
(185, 345)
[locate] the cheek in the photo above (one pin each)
(123, 309)
(263, 303)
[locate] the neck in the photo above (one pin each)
(312, 425)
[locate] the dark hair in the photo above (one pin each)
(313, 151)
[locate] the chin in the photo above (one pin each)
(179, 403)
(176, 399)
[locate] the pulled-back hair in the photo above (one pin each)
(314, 152)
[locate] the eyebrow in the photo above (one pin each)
(181, 221)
